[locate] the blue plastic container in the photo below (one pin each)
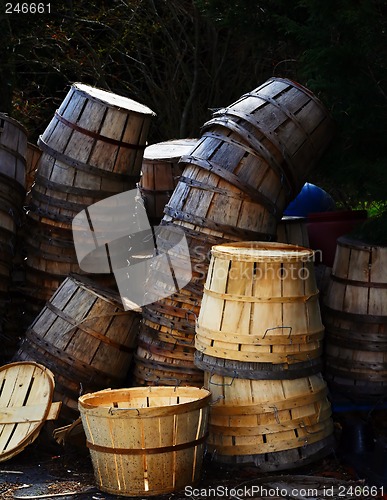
(310, 199)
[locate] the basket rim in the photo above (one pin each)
(89, 402)
(112, 99)
(261, 251)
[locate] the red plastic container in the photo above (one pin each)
(325, 227)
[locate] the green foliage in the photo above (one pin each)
(374, 230)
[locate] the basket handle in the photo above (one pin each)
(279, 328)
(222, 385)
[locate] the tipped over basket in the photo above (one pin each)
(145, 440)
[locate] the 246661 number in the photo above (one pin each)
(27, 8)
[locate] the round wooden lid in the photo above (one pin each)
(26, 390)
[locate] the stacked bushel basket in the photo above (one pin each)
(13, 149)
(77, 325)
(251, 159)
(259, 341)
(92, 149)
(355, 317)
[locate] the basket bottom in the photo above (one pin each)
(281, 460)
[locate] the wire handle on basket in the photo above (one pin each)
(217, 400)
(112, 410)
(306, 429)
(178, 340)
(222, 385)
(275, 411)
(157, 380)
(279, 328)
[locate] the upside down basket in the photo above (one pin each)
(145, 441)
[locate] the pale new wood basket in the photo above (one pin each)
(145, 440)
(26, 391)
(274, 424)
(260, 304)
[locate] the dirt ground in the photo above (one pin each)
(47, 470)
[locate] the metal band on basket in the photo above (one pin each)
(146, 451)
(208, 223)
(84, 167)
(98, 137)
(233, 179)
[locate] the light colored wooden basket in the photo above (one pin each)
(84, 336)
(355, 317)
(26, 391)
(260, 304)
(293, 230)
(160, 172)
(99, 129)
(146, 441)
(13, 149)
(253, 419)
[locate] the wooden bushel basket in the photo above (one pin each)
(293, 230)
(148, 371)
(289, 116)
(61, 191)
(26, 391)
(160, 173)
(84, 336)
(260, 304)
(94, 129)
(275, 424)
(146, 441)
(355, 317)
(227, 193)
(13, 149)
